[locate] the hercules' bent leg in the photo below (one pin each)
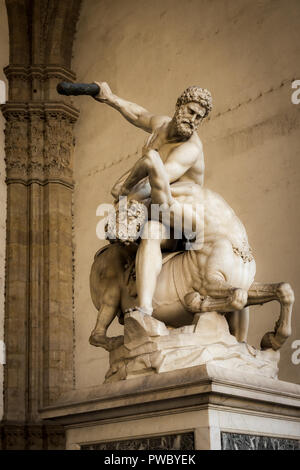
(149, 257)
(149, 263)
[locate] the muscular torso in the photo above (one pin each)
(158, 141)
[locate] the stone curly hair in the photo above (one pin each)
(197, 94)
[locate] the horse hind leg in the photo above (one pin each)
(232, 301)
(282, 292)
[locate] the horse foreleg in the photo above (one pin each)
(238, 322)
(261, 293)
(108, 310)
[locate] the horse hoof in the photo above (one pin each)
(269, 342)
(98, 340)
(239, 299)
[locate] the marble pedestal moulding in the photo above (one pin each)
(215, 407)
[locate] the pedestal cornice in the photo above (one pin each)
(199, 387)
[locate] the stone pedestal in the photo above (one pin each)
(204, 407)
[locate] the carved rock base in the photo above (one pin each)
(150, 348)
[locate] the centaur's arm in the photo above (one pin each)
(132, 112)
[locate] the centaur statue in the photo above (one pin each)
(212, 269)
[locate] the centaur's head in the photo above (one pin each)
(192, 106)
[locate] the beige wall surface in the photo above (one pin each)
(247, 53)
(4, 52)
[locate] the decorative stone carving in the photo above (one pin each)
(184, 441)
(233, 441)
(59, 146)
(31, 437)
(16, 144)
(39, 141)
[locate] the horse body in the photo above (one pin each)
(224, 245)
(217, 276)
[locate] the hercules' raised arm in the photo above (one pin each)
(132, 112)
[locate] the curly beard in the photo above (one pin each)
(183, 127)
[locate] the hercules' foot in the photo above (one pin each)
(98, 339)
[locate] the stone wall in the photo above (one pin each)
(247, 54)
(4, 52)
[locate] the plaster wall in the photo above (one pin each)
(247, 53)
(4, 59)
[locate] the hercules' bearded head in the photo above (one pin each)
(192, 106)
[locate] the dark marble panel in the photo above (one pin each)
(232, 441)
(184, 441)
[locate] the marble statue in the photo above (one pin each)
(180, 306)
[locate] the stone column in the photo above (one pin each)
(39, 324)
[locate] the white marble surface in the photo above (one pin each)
(203, 399)
(151, 348)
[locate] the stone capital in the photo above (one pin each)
(39, 141)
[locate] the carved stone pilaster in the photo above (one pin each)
(39, 272)
(16, 143)
(59, 145)
(39, 142)
(18, 436)
(39, 262)
(36, 82)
